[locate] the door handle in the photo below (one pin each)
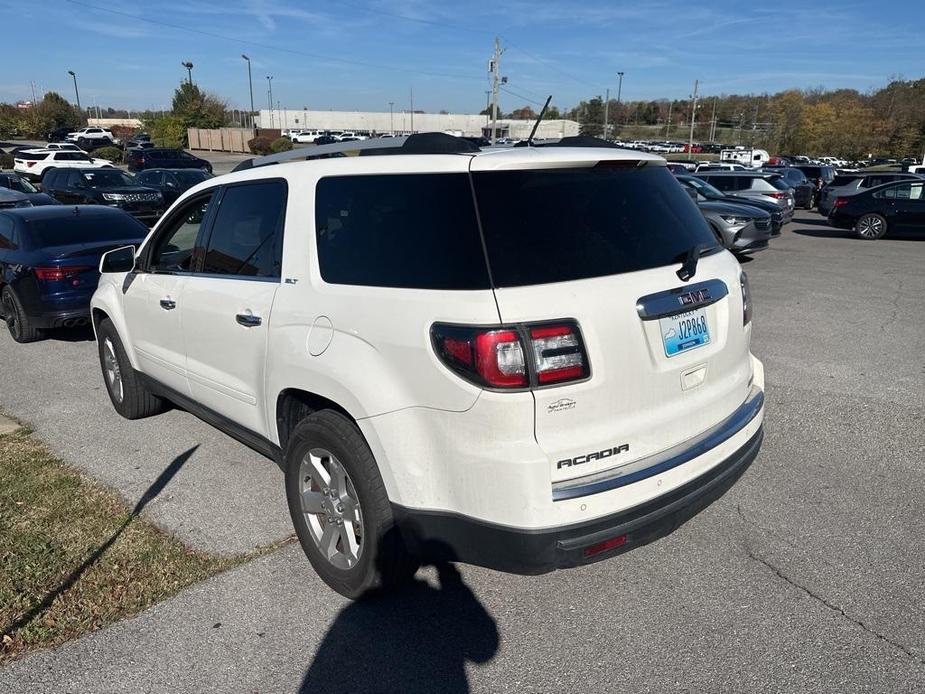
(168, 304)
(248, 320)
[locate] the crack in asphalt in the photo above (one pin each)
(819, 598)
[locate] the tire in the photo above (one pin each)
(128, 395)
(353, 522)
(870, 227)
(17, 322)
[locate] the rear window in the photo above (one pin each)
(778, 182)
(558, 225)
(31, 156)
(76, 229)
(844, 180)
(415, 231)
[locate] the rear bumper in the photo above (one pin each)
(449, 537)
(446, 536)
(61, 319)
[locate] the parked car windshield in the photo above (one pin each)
(18, 184)
(76, 230)
(108, 178)
(557, 225)
(190, 177)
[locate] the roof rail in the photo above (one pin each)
(420, 143)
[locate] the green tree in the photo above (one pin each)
(53, 111)
(12, 121)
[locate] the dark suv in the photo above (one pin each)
(844, 185)
(109, 187)
(818, 175)
(162, 158)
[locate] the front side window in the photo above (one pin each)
(173, 250)
(247, 235)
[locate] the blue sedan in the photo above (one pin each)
(49, 260)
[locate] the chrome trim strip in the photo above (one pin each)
(671, 301)
(666, 460)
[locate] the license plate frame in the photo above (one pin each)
(684, 332)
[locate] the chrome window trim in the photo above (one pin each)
(668, 302)
(650, 466)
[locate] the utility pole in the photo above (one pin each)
(282, 116)
(250, 86)
(668, 125)
(270, 97)
(494, 66)
(487, 106)
(391, 119)
(606, 111)
(619, 94)
(33, 92)
(412, 110)
(189, 69)
(690, 142)
(713, 122)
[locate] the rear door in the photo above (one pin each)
(227, 303)
(602, 247)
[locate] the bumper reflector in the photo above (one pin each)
(612, 543)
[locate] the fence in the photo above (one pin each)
(224, 139)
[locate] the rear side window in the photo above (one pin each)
(417, 231)
(247, 236)
(8, 240)
(558, 225)
(31, 156)
(72, 229)
(845, 180)
(724, 183)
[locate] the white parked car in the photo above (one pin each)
(536, 386)
(33, 164)
(307, 136)
(92, 133)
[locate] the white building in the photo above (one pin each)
(400, 122)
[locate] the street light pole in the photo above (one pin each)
(250, 86)
(606, 112)
(391, 121)
(619, 94)
(76, 91)
(189, 69)
(270, 97)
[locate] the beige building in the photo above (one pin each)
(400, 122)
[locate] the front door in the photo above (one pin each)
(227, 305)
(154, 295)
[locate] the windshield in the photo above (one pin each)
(108, 178)
(18, 184)
(704, 188)
(73, 230)
(557, 225)
(191, 177)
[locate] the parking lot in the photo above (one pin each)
(807, 576)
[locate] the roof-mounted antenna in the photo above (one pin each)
(538, 119)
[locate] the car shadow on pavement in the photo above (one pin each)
(413, 641)
(813, 221)
(81, 334)
(150, 494)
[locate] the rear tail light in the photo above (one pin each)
(779, 195)
(746, 300)
(513, 356)
(60, 274)
(840, 202)
(30, 164)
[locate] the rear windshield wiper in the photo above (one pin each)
(689, 261)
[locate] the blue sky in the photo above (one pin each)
(362, 54)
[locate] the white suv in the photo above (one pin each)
(92, 133)
(33, 164)
(525, 359)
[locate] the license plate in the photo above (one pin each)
(684, 332)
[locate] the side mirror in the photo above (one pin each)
(118, 260)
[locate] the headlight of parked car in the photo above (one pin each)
(734, 220)
(114, 197)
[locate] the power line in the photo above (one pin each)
(521, 96)
(551, 66)
(271, 47)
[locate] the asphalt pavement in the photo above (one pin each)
(808, 575)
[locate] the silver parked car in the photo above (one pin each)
(749, 185)
(743, 229)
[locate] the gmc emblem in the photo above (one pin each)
(698, 296)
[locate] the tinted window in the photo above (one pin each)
(148, 178)
(173, 250)
(31, 156)
(7, 235)
(724, 183)
(844, 180)
(557, 225)
(247, 236)
(190, 177)
(778, 182)
(75, 229)
(108, 178)
(905, 191)
(416, 231)
(71, 156)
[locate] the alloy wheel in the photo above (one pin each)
(112, 370)
(9, 313)
(331, 508)
(870, 226)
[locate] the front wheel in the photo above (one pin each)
(870, 226)
(340, 509)
(129, 396)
